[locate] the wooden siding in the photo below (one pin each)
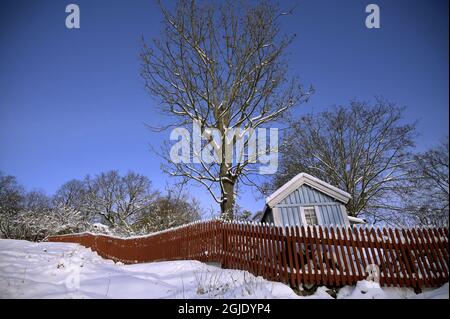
(329, 209)
(306, 195)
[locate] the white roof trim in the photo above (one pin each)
(309, 180)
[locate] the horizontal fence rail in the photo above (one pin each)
(332, 256)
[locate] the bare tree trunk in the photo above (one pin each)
(228, 199)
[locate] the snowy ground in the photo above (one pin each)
(61, 270)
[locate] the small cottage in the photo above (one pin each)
(307, 200)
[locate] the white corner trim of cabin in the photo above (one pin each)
(277, 216)
(345, 215)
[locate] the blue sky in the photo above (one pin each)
(72, 102)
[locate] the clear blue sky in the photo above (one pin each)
(72, 102)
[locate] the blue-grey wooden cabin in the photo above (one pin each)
(307, 200)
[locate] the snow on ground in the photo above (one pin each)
(372, 290)
(62, 270)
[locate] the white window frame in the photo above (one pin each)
(316, 211)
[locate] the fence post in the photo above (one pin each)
(224, 253)
(289, 249)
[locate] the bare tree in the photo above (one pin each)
(118, 199)
(362, 149)
(38, 224)
(172, 210)
(11, 198)
(36, 201)
(33, 215)
(426, 197)
(221, 65)
(71, 194)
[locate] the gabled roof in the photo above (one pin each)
(311, 181)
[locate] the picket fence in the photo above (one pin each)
(332, 256)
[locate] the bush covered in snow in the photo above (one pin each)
(38, 225)
(125, 205)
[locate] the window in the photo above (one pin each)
(310, 216)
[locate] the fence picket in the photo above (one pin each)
(259, 250)
(282, 251)
(264, 252)
(314, 257)
(275, 249)
(319, 252)
(309, 276)
(336, 247)
(298, 239)
(273, 254)
(327, 278)
(352, 275)
(401, 272)
(423, 255)
(335, 277)
(290, 259)
(436, 261)
(294, 256)
(443, 250)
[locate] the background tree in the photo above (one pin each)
(72, 194)
(362, 149)
(126, 204)
(171, 210)
(33, 215)
(221, 65)
(246, 215)
(37, 225)
(426, 197)
(11, 197)
(36, 201)
(119, 199)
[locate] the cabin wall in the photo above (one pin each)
(329, 210)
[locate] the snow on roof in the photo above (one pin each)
(99, 225)
(356, 220)
(311, 181)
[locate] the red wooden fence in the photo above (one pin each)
(332, 256)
